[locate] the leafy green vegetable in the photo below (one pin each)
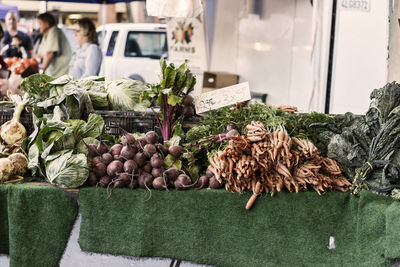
(66, 169)
(37, 84)
(124, 94)
(171, 162)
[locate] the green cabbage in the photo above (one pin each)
(124, 94)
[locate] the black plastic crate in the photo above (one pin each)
(130, 121)
(6, 114)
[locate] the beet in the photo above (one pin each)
(171, 174)
(92, 149)
(147, 167)
(140, 159)
(203, 182)
(156, 161)
(188, 100)
(151, 137)
(123, 179)
(119, 158)
(145, 179)
(209, 173)
(141, 142)
(130, 166)
(100, 169)
(102, 148)
(133, 184)
(175, 151)
(149, 150)
(157, 172)
(114, 168)
(107, 158)
(116, 149)
(159, 183)
(214, 184)
(182, 182)
(92, 179)
(127, 138)
(96, 160)
(163, 150)
(105, 181)
(128, 152)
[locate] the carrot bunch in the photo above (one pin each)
(270, 161)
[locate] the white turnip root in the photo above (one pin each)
(6, 169)
(13, 131)
(20, 162)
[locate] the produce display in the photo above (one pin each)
(18, 65)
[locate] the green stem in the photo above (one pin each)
(17, 111)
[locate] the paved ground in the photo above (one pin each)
(75, 257)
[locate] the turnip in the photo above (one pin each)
(183, 181)
(102, 148)
(6, 169)
(149, 150)
(128, 152)
(214, 184)
(171, 174)
(114, 168)
(105, 181)
(156, 161)
(130, 166)
(92, 179)
(175, 151)
(116, 149)
(140, 159)
(203, 182)
(13, 131)
(163, 150)
(20, 162)
(147, 167)
(151, 137)
(156, 172)
(100, 169)
(107, 158)
(159, 183)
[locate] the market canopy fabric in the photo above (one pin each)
(94, 1)
(6, 8)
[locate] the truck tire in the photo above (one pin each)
(137, 77)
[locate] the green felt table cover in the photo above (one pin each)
(35, 224)
(212, 227)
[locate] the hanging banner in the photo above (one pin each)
(187, 40)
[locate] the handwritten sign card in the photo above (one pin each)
(222, 97)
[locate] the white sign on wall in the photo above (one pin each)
(361, 5)
(222, 97)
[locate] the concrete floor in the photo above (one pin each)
(75, 257)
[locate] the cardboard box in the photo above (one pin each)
(216, 80)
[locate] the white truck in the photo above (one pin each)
(133, 50)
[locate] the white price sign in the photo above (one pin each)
(222, 97)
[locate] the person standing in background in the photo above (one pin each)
(54, 51)
(86, 60)
(12, 30)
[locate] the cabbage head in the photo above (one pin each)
(124, 94)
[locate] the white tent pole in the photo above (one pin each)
(103, 31)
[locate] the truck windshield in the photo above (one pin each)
(146, 44)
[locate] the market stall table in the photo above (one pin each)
(205, 226)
